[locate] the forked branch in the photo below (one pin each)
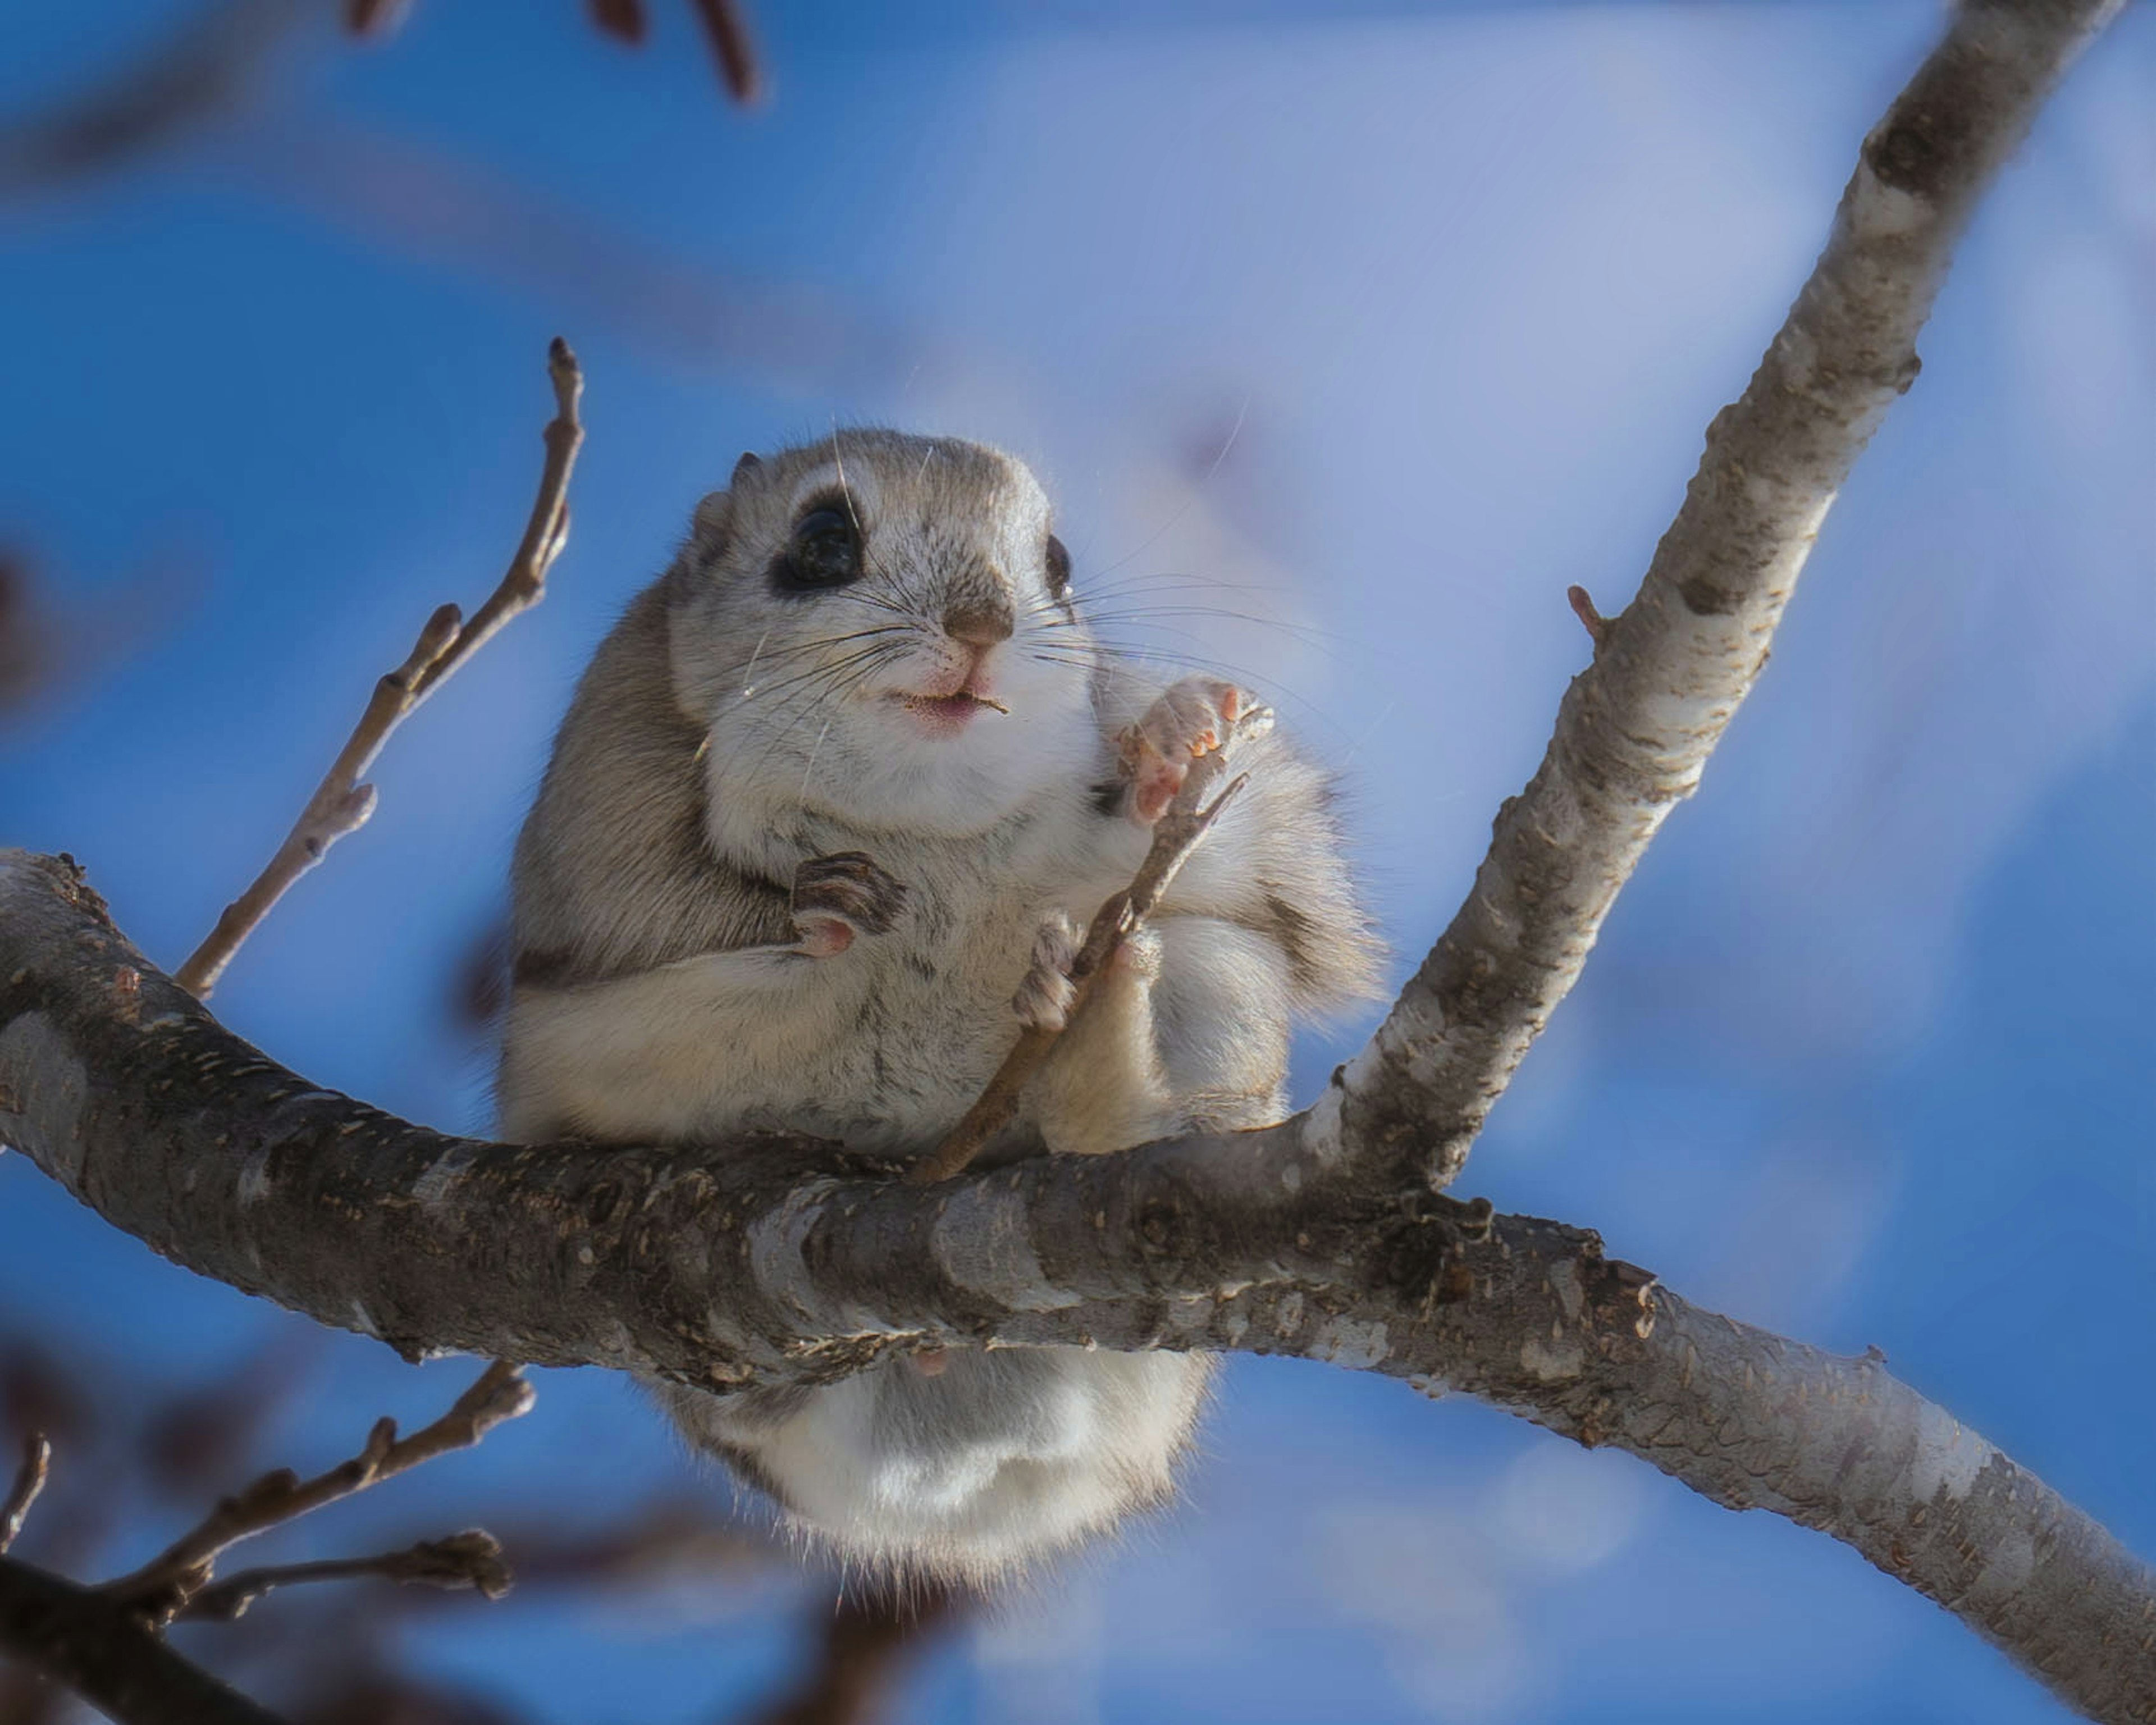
(169, 1583)
(105, 1643)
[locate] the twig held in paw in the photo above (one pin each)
(30, 1481)
(1178, 833)
(166, 1585)
(340, 804)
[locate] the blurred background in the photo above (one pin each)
(1346, 335)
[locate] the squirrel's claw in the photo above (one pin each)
(1043, 1001)
(840, 896)
(1192, 717)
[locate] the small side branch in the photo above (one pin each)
(341, 802)
(471, 1559)
(1591, 619)
(1180, 832)
(106, 1644)
(169, 1584)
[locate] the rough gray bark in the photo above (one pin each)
(1841, 1445)
(784, 1259)
(1636, 727)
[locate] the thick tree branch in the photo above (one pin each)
(782, 1260)
(109, 1657)
(1635, 728)
(1757, 1422)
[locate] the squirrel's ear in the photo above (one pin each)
(709, 529)
(713, 516)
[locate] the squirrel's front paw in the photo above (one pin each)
(1191, 718)
(1043, 1000)
(839, 896)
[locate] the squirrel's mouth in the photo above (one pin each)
(952, 709)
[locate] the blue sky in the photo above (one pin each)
(1379, 326)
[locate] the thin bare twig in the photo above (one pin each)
(340, 804)
(1187, 821)
(469, 1559)
(30, 1481)
(726, 28)
(165, 1586)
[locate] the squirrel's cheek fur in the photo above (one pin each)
(745, 748)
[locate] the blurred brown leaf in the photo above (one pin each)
(621, 19)
(204, 1438)
(29, 1700)
(201, 71)
(20, 672)
(725, 29)
(40, 1393)
(869, 1646)
(375, 18)
(479, 986)
(391, 1699)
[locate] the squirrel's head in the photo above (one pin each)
(879, 626)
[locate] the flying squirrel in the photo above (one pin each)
(824, 814)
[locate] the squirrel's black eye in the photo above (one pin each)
(1059, 567)
(825, 551)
